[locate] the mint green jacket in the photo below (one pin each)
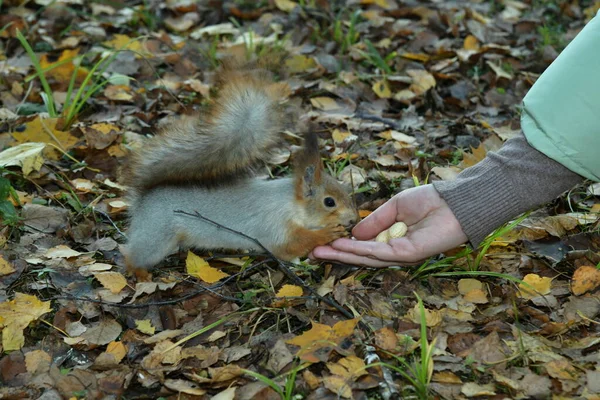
(561, 112)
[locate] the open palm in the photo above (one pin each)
(432, 229)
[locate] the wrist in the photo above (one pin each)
(505, 184)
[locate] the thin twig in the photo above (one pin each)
(387, 121)
(202, 289)
(279, 262)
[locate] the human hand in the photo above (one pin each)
(432, 229)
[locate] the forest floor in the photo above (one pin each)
(404, 93)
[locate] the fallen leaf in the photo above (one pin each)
(561, 369)
(113, 281)
(289, 291)
(472, 389)
(286, 5)
(350, 367)
(28, 156)
(183, 386)
(325, 103)
(119, 93)
(300, 63)
(466, 285)
(124, 42)
(227, 394)
(100, 136)
(382, 89)
(199, 268)
(501, 73)
(16, 315)
(416, 56)
(537, 286)
(422, 81)
(63, 68)
(61, 251)
(471, 43)
(117, 349)
(6, 268)
(103, 332)
(83, 185)
(585, 279)
(37, 361)
(342, 136)
(432, 317)
(476, 296)
(145, 326)
(44, 131)
(321, 337)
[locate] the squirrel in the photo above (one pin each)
(204, 165)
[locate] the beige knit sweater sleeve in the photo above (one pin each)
(505, 184)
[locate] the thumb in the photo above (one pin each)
(376, 222)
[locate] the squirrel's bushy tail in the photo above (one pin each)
(242, 123)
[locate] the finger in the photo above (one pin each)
(329, 253)
(377, 221)
(402, 251)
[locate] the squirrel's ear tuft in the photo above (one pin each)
(308, 167)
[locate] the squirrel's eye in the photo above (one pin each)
(329, 202)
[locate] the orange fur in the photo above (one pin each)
(302, 241)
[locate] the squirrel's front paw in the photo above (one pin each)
(336, 232)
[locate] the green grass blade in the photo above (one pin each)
(36, 63)
(266, 381)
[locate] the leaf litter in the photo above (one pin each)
(404, 93)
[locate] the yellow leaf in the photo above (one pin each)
(466, 285)
(118, 93)
(338, 385)
(416, 56)
(324, 103)
(343, 329)
(285, 5)
(300, 63)
(311, 379)
(113, 281)
(340, 136)
(476, 296)
(17, 314)
(316, 343)
(289, 291)
(6, 267)
(422, 80)
(317, 333)
(471, 43)
(540, 286)
(44, 131)
(145, 326)
(446, 377)
(124, 42)
(382, 89)
(117, 349)
(105, 127)
(199, 268)
(561, 369)
(432, 317)
(348, 367)
(63, 70)
(364, 213)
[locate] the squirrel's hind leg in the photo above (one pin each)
(143, 253)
